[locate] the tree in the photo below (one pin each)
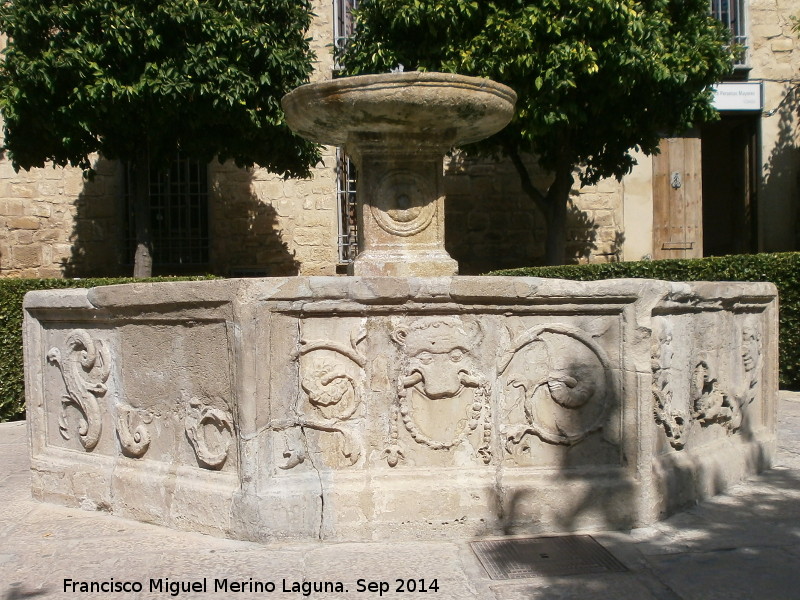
(137, 79)
(595, 78)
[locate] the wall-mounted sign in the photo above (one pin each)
(746, 95)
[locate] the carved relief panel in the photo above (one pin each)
(443, 396)
(77, 380)
(178, 378)
(144, 391)
(704, 384)
(320, 424)
(448, 390)
(560, 392)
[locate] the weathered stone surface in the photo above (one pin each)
(354, 408)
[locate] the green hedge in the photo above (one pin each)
(12, 382)
(781, 269)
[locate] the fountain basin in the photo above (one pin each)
(447, 108)
(360, 408)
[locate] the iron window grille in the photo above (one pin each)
(343, 24)
(178, 209)
(346, 207)
(732, 14)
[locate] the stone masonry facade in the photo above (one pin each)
(775, 59)
(55, 224)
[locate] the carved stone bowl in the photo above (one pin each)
(455, 109)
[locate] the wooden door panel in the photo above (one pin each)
(677, 199)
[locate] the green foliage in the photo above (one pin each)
(12, 291)
(781, 269)
(120, 76)
(595, 78)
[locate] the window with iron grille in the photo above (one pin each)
(732, 14)
(178, 209)
(346, 204)
(342, 23)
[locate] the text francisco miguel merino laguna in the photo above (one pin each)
(225, 585)
(222, 585)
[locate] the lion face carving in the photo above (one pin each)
(438, 351)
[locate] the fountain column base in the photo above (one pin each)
(404, 263)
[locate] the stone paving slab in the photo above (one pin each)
(743, 544)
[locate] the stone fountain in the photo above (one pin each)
(397, 128)
(403, 401)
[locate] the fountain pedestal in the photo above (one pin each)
(400, 208)
(397, 128)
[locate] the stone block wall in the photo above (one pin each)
(492, 224)
(53, 223)
(774, 56)
(262, 224)
(268, 225)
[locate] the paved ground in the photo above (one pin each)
(745, 544)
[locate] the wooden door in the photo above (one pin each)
(677, 199)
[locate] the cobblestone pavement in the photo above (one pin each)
(743, 544)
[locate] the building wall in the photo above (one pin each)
(775, 59)
(263, 224)
(53, 223)
(492, 224)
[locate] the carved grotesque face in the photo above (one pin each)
(750, 347)
(662, 352)
(438, 352)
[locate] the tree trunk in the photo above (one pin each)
(143, 259)
(557, 197)
(553, 204)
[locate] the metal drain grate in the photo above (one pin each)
(533, 557)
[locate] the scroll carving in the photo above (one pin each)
(333, 395)
(438, 365)
(210, 432)
(132, 431)
(672, 421)
(85, 366)
(566, 382)
(711, 403)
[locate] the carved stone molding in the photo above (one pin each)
(438, 364)
(85, 366)
(566, 383)
(403, 204)
(671, 420)
(211, 451)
